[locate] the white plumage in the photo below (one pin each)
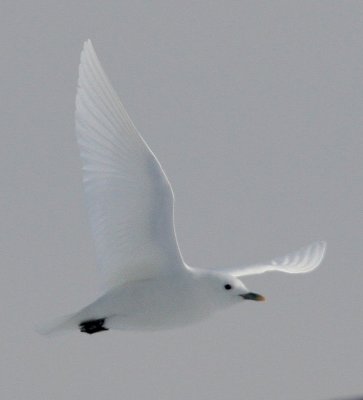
(130, 205)
(128, 196)
(303, 260)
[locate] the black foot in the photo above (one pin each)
(92, 326)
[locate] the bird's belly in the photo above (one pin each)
(155, 310)
(154, 320)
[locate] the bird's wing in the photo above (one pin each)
(128, 196)
(303, 260)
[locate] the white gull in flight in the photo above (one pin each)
(147, 285)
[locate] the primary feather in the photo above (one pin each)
(128, 196)
(303, 260)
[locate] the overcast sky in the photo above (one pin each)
(255, 111)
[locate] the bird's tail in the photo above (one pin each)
(58, 326)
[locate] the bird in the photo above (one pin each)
(146, 284)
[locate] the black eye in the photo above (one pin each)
(228, 287)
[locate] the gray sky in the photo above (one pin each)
(255, 111)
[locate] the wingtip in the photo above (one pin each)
(87, 43)
(321, 245)
(324, 246)
(88, 55)
(87, 48)
(319, 248)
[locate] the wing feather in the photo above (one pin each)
(303, 260)
(128, 196)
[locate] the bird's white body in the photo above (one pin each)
(153, 304)
(130, 202)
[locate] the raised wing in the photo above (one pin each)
(303, 260)
(128, 196)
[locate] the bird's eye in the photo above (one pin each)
(228, 287)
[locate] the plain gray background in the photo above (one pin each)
(255, 111)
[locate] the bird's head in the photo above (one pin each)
(224, 289)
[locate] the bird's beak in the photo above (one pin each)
(253, 296)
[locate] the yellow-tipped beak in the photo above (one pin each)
(253, 296)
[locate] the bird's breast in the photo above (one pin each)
(158, 305)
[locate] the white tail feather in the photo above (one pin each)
(58, 326)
